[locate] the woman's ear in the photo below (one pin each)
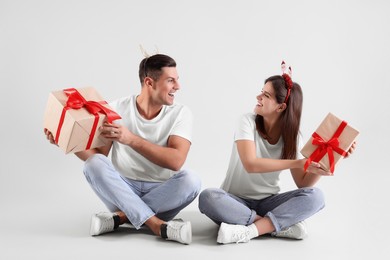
(282, 107)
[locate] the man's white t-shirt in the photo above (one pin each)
(252, 185)
(172, 120)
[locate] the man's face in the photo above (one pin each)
(164, 89)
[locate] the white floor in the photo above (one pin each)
(46, 205)
(50, 226)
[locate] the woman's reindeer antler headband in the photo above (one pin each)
(287, 79)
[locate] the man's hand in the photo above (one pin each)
(115, 132)
(49, 136)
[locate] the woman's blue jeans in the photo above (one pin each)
(284, 210)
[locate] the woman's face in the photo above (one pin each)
(266, 101)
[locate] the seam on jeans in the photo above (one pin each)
(274, 221)
(251, 217)
(307, 190)
(138, 225)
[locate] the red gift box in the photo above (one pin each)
(329, 143)
(74, 116)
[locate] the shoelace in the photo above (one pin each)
(174, 232)
(106, 225)
(287, 231)
(241, 236)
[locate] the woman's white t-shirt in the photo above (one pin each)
(172, 120)
(252, 185)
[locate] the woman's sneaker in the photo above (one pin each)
(297, 231)
(229, 233)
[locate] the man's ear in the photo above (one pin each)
(148, 81)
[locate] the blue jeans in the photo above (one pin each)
(140, 200)
(284, 210)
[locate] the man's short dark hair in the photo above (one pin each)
(152, 66)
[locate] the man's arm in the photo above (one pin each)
(83, 155)
(171, 156)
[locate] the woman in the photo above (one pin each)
(266, 142)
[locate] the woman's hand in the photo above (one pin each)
(351, 150)
(315, 168)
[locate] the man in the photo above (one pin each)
(143, 183)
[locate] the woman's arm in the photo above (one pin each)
(252, 164)
(314, 172)
(310, 177)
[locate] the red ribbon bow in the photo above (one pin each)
(326, 147)
(77, 101)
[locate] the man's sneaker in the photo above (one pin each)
(297, 231)
(229, 233)
(102, 223)
(180, 231)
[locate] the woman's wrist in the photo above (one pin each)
(300, 163)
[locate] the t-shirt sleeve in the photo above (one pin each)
(183, 124)
(116, 106)
(246, 128)
(113, 105)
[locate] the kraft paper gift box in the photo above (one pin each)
(74, 116)
(329, 143)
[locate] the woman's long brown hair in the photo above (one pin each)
(290, 118)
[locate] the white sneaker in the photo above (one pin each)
(180, 231)
(229, 233)
(297, 231)
(101, 223)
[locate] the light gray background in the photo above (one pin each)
(339, 52)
